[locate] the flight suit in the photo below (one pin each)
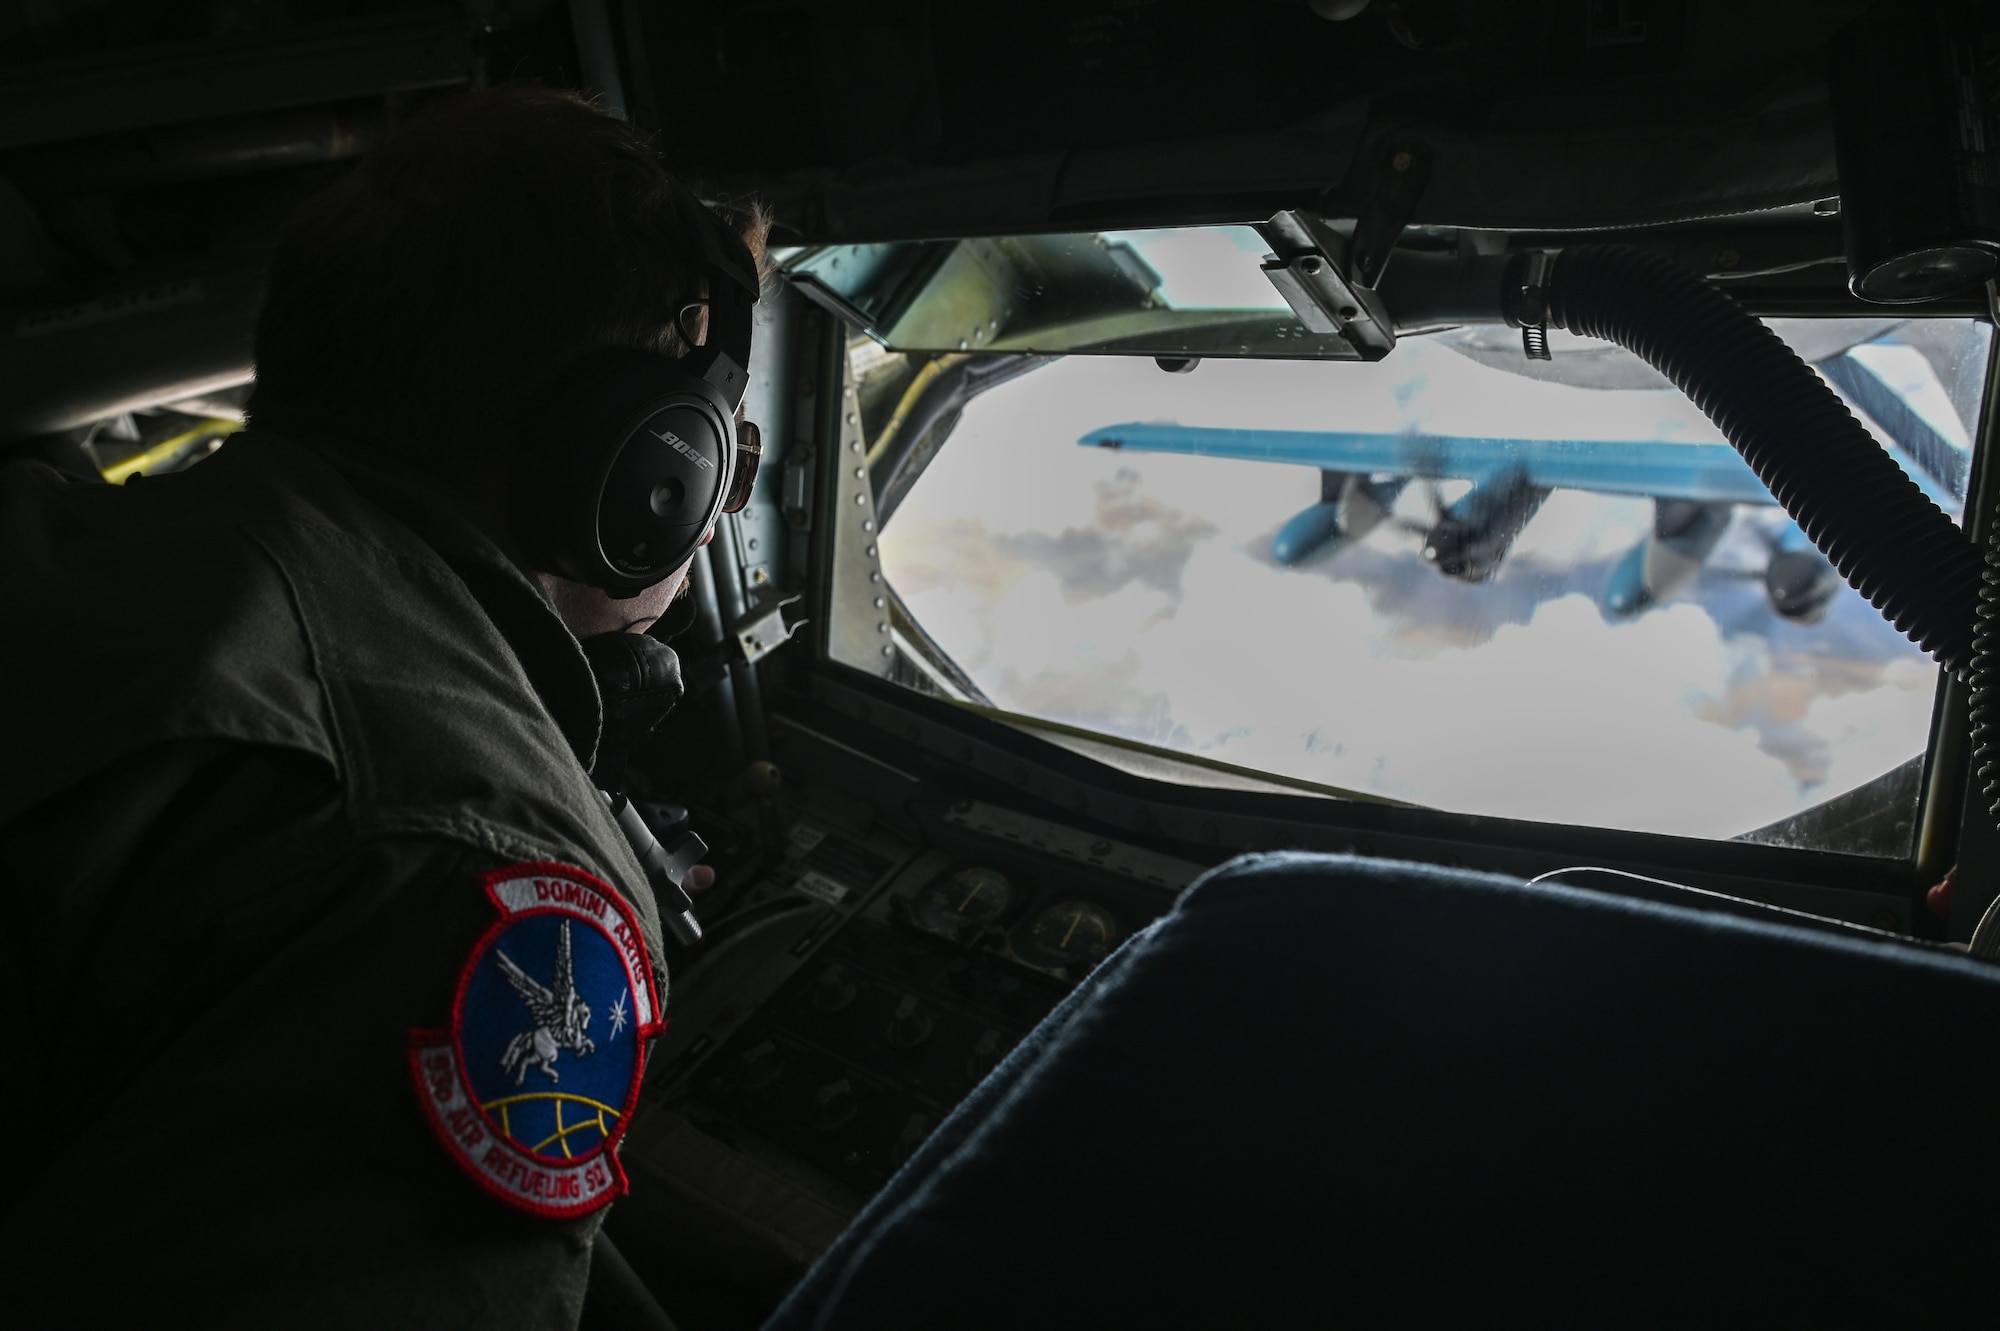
(267, 724)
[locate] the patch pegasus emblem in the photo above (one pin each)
(560, 1015)
(518, 1090)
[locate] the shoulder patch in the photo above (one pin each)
(532, 1086)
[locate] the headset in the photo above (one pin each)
(628, 457)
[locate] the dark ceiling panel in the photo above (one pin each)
(197, 81)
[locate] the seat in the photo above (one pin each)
(1328, 1089)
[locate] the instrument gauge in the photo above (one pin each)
(964, 901)
(1073, 935)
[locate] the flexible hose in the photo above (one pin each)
(1872, 522)
(1984, 712)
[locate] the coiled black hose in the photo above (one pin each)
(1872, 522)
(1984, 712)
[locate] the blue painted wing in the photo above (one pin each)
(1709, 473)
(1941, 470)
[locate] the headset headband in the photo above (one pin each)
(723, 359)
(651, 452)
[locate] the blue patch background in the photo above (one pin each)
(494, 1013)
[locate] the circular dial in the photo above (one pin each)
(1075, 934)
(964, 900)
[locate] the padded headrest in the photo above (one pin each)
(1326, 1088)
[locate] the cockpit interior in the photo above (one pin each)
(1530, 448)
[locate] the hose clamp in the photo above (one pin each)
(1528, 306)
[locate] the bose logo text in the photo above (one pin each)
(676, 443)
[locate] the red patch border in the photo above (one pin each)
(422, 1041)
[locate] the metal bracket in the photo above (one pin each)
(1308, 268)
(1402, 169)
(666, 868)
(824, 296)
(796, 492)
(767, 627)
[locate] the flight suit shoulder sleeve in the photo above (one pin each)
(226, 654)
(530, 1073)
(344, 1057)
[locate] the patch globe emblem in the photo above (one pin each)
(531, 1088)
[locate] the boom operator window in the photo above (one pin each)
(1452, 578)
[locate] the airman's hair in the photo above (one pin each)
(418, 304)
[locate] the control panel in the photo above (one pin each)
(910, 1000)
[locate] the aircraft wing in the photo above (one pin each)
(1941, 470)
(1706, 473)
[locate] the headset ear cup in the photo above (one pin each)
(745, 458)
(664, 488)
(626, 460)
(620, 470)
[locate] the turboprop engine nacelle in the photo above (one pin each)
(1470, 538)
(1801, 584)
(1685, 533)
(1350, 506)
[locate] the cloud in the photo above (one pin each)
(1104, 696)
(1133, 538)
(1564, 717)
(1422, 611)
(934, 553)
(1771, 672)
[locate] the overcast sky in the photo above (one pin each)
(1135, 594)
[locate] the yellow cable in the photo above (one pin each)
(168, 451)
(925, 377)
